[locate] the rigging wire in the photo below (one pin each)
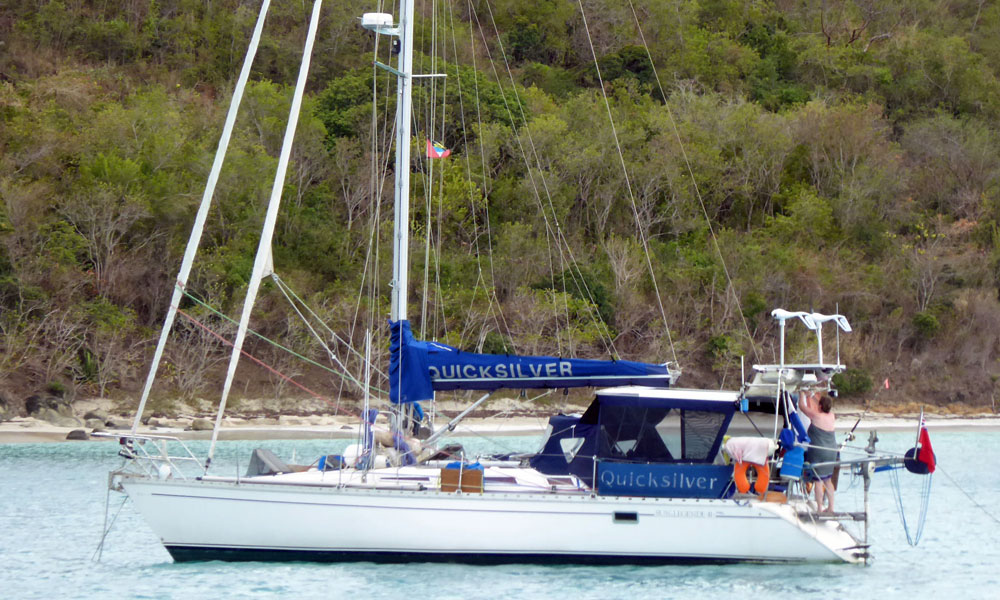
(504, 415)
(969, 496)
(245, 353)
(429, 117)
(694, 181)
(439, 293)
(369, 286)
(99, 551)
(493, 308)
(555, 231)
(437, 328)
(561, 241)
(549, 232)
(628, 184)
(498, 315)
(481, 336)
(187, 294)
(562, 244)
(288, 293)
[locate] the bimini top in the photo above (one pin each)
(685, 399)
(630, 425)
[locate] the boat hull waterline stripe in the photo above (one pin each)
(251, 554)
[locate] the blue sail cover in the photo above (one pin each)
(417, 369)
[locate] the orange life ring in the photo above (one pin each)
(743, 484)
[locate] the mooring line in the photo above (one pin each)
(969, 496)
(99, 551)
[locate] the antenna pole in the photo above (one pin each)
(819, 340)
(781, 328)
(836, 308)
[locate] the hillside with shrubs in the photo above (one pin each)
(827, 155)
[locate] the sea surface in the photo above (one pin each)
(52, 514)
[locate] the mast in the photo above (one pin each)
(381, 23)
(401, 227)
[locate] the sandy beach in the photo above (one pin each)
(30, 430)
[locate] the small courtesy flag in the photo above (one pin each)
(437, 150)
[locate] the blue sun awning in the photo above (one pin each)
(417, 369)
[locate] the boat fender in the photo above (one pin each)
(743, 484)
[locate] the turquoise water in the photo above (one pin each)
(52, 512)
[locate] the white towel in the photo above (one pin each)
(754, 450)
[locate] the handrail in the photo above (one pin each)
(134, 448)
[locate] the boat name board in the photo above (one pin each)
(502, 371)
(662, 480)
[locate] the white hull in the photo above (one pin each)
(204, 520)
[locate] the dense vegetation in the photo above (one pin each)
(823, 154)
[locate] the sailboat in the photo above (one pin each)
(648, 473)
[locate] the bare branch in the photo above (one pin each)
(881, 36)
